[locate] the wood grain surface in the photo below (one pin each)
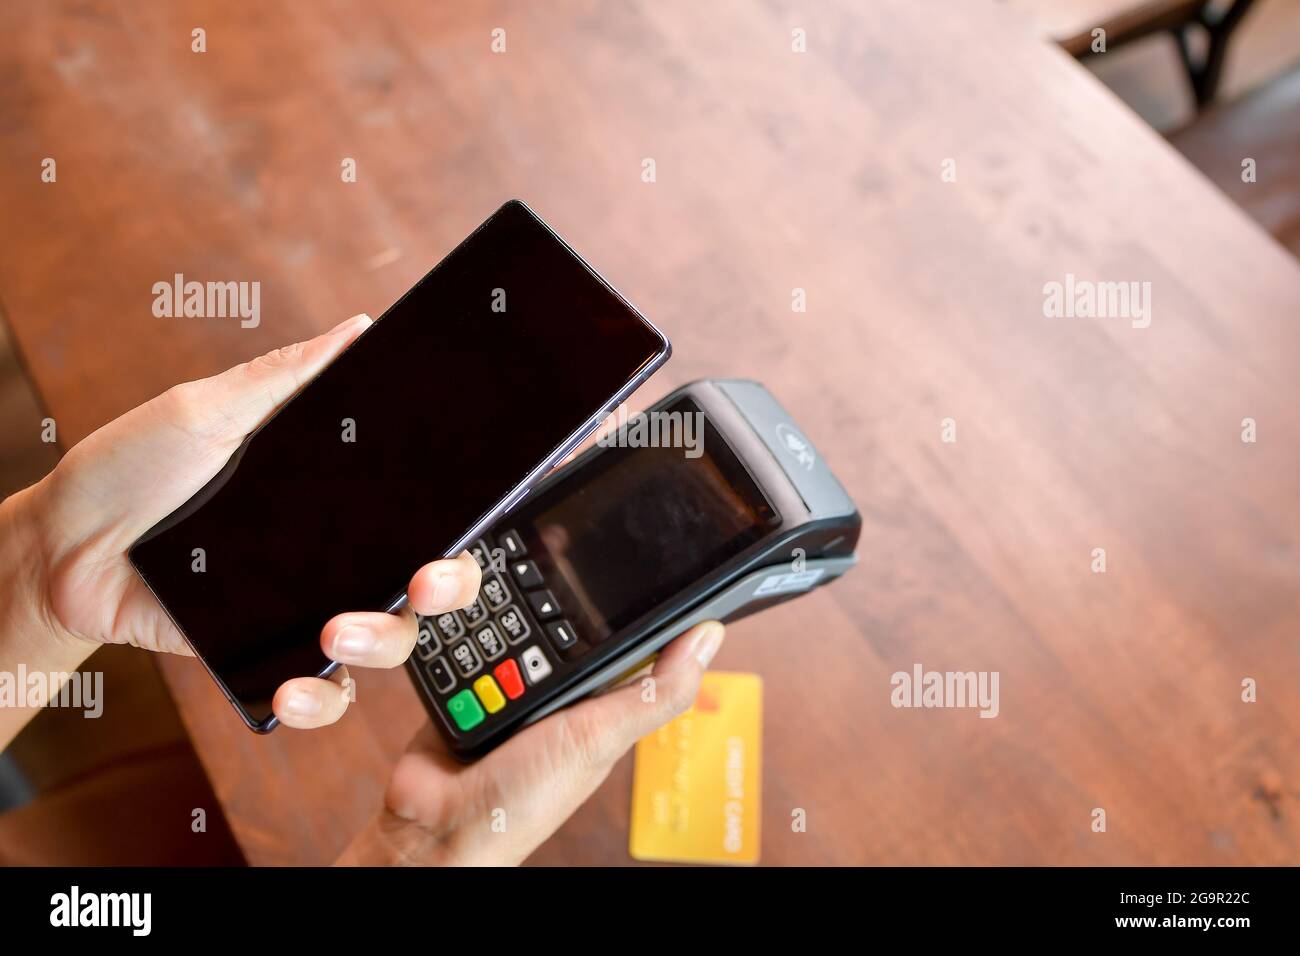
(775, 170)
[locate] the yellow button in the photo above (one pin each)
(489, 693)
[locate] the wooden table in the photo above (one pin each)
(775, 170)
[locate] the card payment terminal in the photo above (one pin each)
(710, 504)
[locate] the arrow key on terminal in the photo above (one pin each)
(543, 604)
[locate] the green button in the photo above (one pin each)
(465, 710)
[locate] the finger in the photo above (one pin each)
(237, 400)
(563, 757)
(445, 585)
(428, 784)
(197, 423)
(151, 628)
(370, 638)
(547, 771)
(308, 702)
(602, 729)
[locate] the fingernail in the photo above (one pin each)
(353, 643)
(348, 323)
(708, 642)
(445, 590)
(303, 704)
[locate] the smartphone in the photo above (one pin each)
(435, 421)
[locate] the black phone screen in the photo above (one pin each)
(412, 437)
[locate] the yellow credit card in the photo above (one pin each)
(696, 783)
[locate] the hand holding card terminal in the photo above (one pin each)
(627, 546)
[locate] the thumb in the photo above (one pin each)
(180, 439)
(546, 771)
(241, 398)
(605, 727)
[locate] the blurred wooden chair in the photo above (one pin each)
(1250, 148)
(1071, 24)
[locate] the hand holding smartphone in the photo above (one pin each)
(362, 476)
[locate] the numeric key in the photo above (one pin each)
(495, 593)
(466, 659)
(426, 639)
(474, 613)
(513, 623)
(449, 626)
(489, 641)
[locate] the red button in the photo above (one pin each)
(507, 675)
